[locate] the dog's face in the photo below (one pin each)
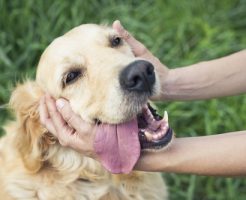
(93, 68)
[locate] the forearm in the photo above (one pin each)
(217, 155)
(210, 79)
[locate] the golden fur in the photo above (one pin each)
(33, 164)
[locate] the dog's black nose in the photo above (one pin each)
(138, 76)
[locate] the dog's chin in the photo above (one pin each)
(153, 130)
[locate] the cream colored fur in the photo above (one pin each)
(33, 165)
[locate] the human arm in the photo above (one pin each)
(209, 79)
(215, 155)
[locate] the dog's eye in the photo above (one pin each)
(72, 76)
(116, 41)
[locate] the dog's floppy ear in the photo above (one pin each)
(31, 136)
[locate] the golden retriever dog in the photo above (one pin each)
(95, 69)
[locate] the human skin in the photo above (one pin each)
(209, 79)
(218, 155)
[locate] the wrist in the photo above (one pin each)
(165, 78)
(154, 161)
(162, 74)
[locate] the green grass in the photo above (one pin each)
(178, 32)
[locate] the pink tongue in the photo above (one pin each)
(118, 146)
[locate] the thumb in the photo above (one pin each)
(70, 117)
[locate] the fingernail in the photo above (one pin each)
(60, 103)
(118, 21)
(121, 26)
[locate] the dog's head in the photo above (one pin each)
(96, 71)
(93, 68)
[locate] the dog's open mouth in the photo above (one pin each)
(154, 131)
(118, 146)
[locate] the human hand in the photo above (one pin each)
(141, 51)
(71, 131)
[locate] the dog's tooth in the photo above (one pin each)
(148, 135)
(160, 135)
(164, 128)
(155, 137)
(165, 116)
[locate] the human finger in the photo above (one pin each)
(62, 128)
(71, 118)
(138, 48)
(44, 116)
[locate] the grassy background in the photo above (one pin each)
(178, 32)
